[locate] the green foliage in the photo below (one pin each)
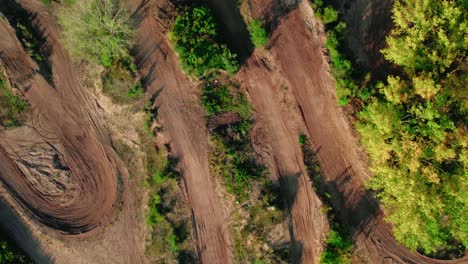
(303, 139)
(168, 216)
(338, 250)
(195, 38)
(97, 31)
(11, 107)
(233, 159)
(116, 81)
(327, 14)
(217, 98)
(414, 130)
(258, 33)
(10, 254)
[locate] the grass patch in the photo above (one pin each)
(196, 41)
(12, 108)
(203, 56)
(258, 33)
(29, 37)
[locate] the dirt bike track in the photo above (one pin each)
(291, 90)
(297, 51)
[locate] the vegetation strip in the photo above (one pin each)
(169, 215)
(230, 123)
(413, 125)
(338, 243)
(12, 107)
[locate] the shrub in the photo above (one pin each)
(116, 81)
(97, 31)
(258, 33)
(11, 107)
(195, 38)
(10, 254)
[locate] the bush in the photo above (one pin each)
(116, 81)
(11, 107)
(221, 98)
(195, 38)
(258, 33)
(97, 31)
(10, 254)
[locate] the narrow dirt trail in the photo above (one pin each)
(296, 47)
(181, 115)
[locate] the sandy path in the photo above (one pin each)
(182, 117)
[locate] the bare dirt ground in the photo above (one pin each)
(296, 47)
(181, 116)
(61, 168)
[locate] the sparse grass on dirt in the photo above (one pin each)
(168, 214)
(233, 159)
(12, 108)
(195, 38)
(258, 33)
(10, 254)
(339, 244)
(196, 41)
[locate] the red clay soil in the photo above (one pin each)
(64, 122)
(296, 48)
(182, 117)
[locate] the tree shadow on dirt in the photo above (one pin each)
(233, 29)
(11, 225)
(353, 208)
(289, 185)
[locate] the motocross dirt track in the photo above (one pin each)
(298, 62)
(182, 117)
(292, 93)
(65, 142)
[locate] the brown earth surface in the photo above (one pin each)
(60, 168)
(183, 120)
(296, 46)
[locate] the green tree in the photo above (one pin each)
(97, 31)
(414, 131)
(194, 35)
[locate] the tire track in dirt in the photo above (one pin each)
(66, 117)
(308, 223)
(297, 50)
(181, 115)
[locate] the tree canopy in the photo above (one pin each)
(414, 129)
(97, 31)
